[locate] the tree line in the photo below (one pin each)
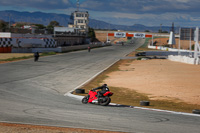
(6, 25)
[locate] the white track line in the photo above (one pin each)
(78, 97)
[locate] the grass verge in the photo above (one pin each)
(26, 57)
(130, 97)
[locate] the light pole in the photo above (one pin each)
(160, 28)
(9, 21)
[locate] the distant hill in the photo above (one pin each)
(46, 18)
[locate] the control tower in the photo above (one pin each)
(79, 20)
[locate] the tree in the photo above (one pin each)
(91, 34)
(53, 24)
(164, 31)
(40, 26)
(3, 25)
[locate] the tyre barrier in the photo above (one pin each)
(80, 91)
(196, 111)
(144, 103)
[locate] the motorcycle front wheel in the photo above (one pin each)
(105, 102)
(85, 100)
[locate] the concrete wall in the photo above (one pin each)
(58, 49)
(184, 59)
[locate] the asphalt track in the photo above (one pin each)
(33, 93)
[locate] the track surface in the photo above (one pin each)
(33, 93)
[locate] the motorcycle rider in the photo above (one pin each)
(104, 88)
(36, 56)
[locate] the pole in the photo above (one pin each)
(107, 38)
(78, 5)
(179, 46)
(196, 43)
(190, 42)
(9, 21)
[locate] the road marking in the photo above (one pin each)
(70, 92)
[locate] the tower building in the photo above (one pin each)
(79, 20)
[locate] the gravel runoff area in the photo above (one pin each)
(160, 79)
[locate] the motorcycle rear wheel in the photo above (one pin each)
(85, 100)
(108, 100)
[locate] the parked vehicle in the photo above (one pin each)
(102, 100)
(141, 54)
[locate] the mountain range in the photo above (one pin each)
(46, 18)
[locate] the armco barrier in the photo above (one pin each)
(165, 53)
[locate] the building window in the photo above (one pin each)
(82, 26)
(80, 21)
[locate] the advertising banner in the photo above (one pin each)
(139, 35)
(120, 34)
(187, 33)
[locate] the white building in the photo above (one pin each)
(80, 20)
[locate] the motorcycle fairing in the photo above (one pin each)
(92, 95)
(108, 93)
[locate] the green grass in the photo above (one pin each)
(47, 53)
(17, 58)
(131, 97)
(28, 57)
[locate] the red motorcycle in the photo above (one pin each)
(102, 100)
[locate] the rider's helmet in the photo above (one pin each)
(105, 85)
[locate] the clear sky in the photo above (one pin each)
(123, 12)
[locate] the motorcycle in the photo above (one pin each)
(36, 56)
(102, 100)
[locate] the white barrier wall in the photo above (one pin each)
(178, 58)
(183, 59)
(168, 49)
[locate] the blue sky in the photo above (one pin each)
(123, 12)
